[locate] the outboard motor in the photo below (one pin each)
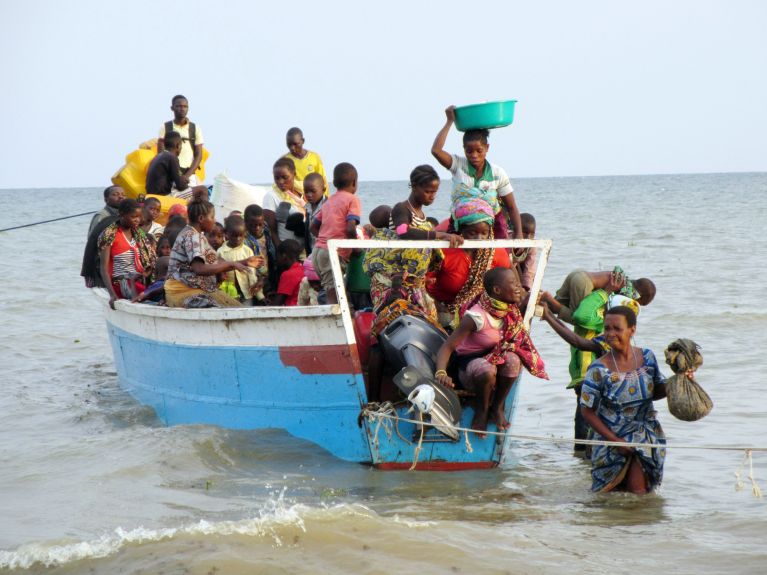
(413, 341)
(410, 345)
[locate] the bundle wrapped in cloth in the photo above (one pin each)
(686, 398)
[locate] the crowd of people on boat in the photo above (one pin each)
(276, 254)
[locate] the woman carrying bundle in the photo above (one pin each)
(617, 402)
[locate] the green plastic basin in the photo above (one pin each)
(486, 115)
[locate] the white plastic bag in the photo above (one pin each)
(230, 195)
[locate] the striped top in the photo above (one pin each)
(124, 264)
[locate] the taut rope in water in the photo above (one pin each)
(376, 413)
(46, 221)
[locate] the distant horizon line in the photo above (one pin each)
(446, 179)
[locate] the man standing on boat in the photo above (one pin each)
(191, 138)
(113, 195)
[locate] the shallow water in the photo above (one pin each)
(91, 482)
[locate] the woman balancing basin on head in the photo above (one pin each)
(473, 175)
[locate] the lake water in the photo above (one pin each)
(91, 482)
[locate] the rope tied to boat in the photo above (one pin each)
(372, 413)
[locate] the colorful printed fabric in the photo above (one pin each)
(472, 209)
(465, 193)
(146, 256)
(514, 337)
(178, 294)
(190, 245)
(623, 401)
(411, 264)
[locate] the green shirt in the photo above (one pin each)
(589, 322)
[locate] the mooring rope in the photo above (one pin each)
(387, 412)
(46, 221)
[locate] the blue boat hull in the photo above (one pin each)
(286, 368)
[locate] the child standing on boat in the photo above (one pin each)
(259, 239)
(241, 284)
(314, 194)
(338, 219)
(292, 274)
(473, 175)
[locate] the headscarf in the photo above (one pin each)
(468, 210)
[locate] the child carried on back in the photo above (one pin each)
(246, 286)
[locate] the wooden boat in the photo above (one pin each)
(293, 368)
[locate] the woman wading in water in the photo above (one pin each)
(617, 402)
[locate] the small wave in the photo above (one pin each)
(273, 519)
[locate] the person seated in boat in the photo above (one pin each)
(150, 211)
(582, 300)
(458, 278)
(259, 239)
(305, 161)
(526, 259)
(357, 281)
(192, 139)
(491, 344)
(178, 210)
(309, 290)
(155, 293)
(314, 194)
(127, 258)
(288, 254)
(113, 195)
(408, 219)
(474, 176)
(217, 236)
(282, 201)
(173, 227)
(194, 264)
(164, 178)
(246, 286)
(338, 219)
(617, 403)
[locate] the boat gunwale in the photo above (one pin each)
(221, 314)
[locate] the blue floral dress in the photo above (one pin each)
(623, 401)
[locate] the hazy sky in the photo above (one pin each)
(606, 87)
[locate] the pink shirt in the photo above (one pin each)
(486, 337)
(339, 209)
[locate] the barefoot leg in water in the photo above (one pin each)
(636, 481)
